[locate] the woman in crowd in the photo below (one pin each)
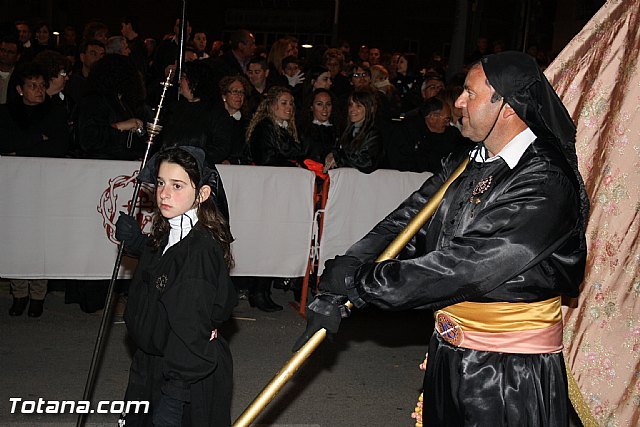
(315, 78)
(407, 84)
(272, 134)
(180, 295)
(318, 133)
(32, 125)
(199, 118)
(360, 145)
(234, 90)
(112, 114)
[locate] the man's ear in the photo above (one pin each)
(507, 111)
(205, 192)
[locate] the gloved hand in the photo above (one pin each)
(338, 278)
(296, 79)
(325, 311)
(128, 232)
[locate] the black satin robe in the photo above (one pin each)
(518, 241)
(175, 301)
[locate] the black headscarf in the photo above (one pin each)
(517, 77)
(209, 176)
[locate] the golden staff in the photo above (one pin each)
(291, 367)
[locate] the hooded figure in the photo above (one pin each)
(505, 244)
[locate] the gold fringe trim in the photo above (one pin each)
(578, 402)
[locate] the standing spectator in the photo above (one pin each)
(198, 119)
(258, 72)
(91, 51)
(272, 133)
(234, 62)
(318, 133)
(139, 55)
(334, 61)
(360, 145)
(374, 56)
(234, 90)
(199, 41)
(43, 40)
(407, 83)
(168, 50)
(432, 86)
(112, 114)
(96, 30)
(32, 125)
(118, 45)
(69, 44)
(8, 58)
(23, 31)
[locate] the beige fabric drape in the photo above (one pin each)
(598, 78)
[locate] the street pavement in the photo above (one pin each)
(367, 376)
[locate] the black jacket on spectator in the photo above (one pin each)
(318, 140)
(272, 145)
(201, 125)
(240, 154)
(98, 140)
(39, 131)
(366, 156)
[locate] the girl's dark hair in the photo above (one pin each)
(201, 79)
(368, 100)
(30, 70)
(209, 217)
(311, 75)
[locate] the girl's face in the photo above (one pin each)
(402, 65)
(322, 107)
(323, 81)
(357, 112)
(175, 193)
(283, 110)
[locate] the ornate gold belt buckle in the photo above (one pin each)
(449, 329)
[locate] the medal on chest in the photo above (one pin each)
(161, 282)
(480, 188)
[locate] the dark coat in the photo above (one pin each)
(201, 125)
(272, 145)
(175, 302)
(98, 139)
(366, 156)
(318, 140)
(40, 130)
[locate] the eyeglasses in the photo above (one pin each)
(62, 73)
(236, 92)
(359, 75)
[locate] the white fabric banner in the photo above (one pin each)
(57, 217)
(357, 202)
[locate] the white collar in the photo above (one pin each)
(510, 153)
(318, 122)
(237, 115)
(181, 225)
(283, 124)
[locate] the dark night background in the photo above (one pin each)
(420, 26)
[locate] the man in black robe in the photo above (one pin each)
(505, 244)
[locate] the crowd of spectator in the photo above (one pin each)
(90, 97)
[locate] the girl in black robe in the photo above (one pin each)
(180, 295)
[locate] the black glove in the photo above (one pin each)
(128, 232)
(338, 278)
(325, 311)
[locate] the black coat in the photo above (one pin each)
(201, 125)
(40, 130)
(366, 156)
(318, 141)
(272, 145)
(176, 300)
(98, 139)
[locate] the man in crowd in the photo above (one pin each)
(90, 52)
(504, 245)
(8, 59)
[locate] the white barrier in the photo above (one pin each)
(357, 202)
(57, 216)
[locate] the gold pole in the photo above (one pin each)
(291, 367)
